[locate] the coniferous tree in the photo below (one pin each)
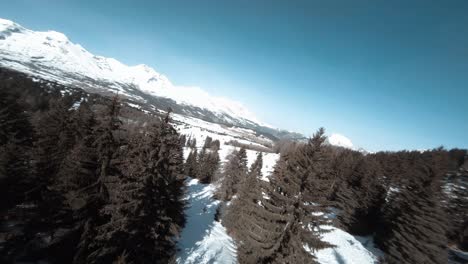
(207, 143)
(183, 140)
(415, 223)
(94, 243)
(145, 208)
(361, 197)
(343, 196)
(208, 161)
(192, 143)
(55, 139)
(242, 218)
(150, 203)
(191, 164)
(234, 171)
(297, 204)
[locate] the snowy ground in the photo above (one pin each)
(349, 249)
(204, 240)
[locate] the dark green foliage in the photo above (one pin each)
(192, 143)
(55, 138)
(290, 216)
(243, 219)
(191, 164)
(414, 219)
(298, 202)
(234, 172)
(207, 161)
(360, 192)
(145, 206)
(183, 140)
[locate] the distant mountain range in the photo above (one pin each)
(51, 56)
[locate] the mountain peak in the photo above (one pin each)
(6, 22)
(55, 57)
(7, 27)
(339, 140)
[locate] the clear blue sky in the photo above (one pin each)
(387, 74)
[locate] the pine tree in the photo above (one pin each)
(145, 208)
(415, 224)
(208, 161)
(55, 139)
(297, 204)
(207, 143)
(291, 215)
(94, 244)
(79, 169)
(234, 171)
(360, 196)
(191, 164)
(242, 219)
(344, 198)
(183, 140)
(159, 216)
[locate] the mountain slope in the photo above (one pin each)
(52, 56)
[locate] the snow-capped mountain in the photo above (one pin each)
(52, 56)
(339, 140)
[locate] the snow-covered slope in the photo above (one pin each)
(53, 56)
(348, 249)
(204, 240)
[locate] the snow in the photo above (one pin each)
(339, 140)
(349, 249)
(53, 50)
(204, 240)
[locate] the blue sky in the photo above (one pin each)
(387, 74)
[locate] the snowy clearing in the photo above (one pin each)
(204, 240)
(349, 249)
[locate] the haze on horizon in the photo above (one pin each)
(388, 75)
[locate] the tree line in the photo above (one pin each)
(78, 185)
(413, 203)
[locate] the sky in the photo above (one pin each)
(389, 75)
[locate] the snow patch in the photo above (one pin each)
(203, 240)
(349, 249)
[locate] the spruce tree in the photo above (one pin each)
(297, 204)
(191, 164)
(415, 222)
(242, 218)
(234, 172)
(55, 138)
(208, 161)
(94, 243)
(360, 196)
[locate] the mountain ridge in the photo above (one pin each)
(50, 55)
